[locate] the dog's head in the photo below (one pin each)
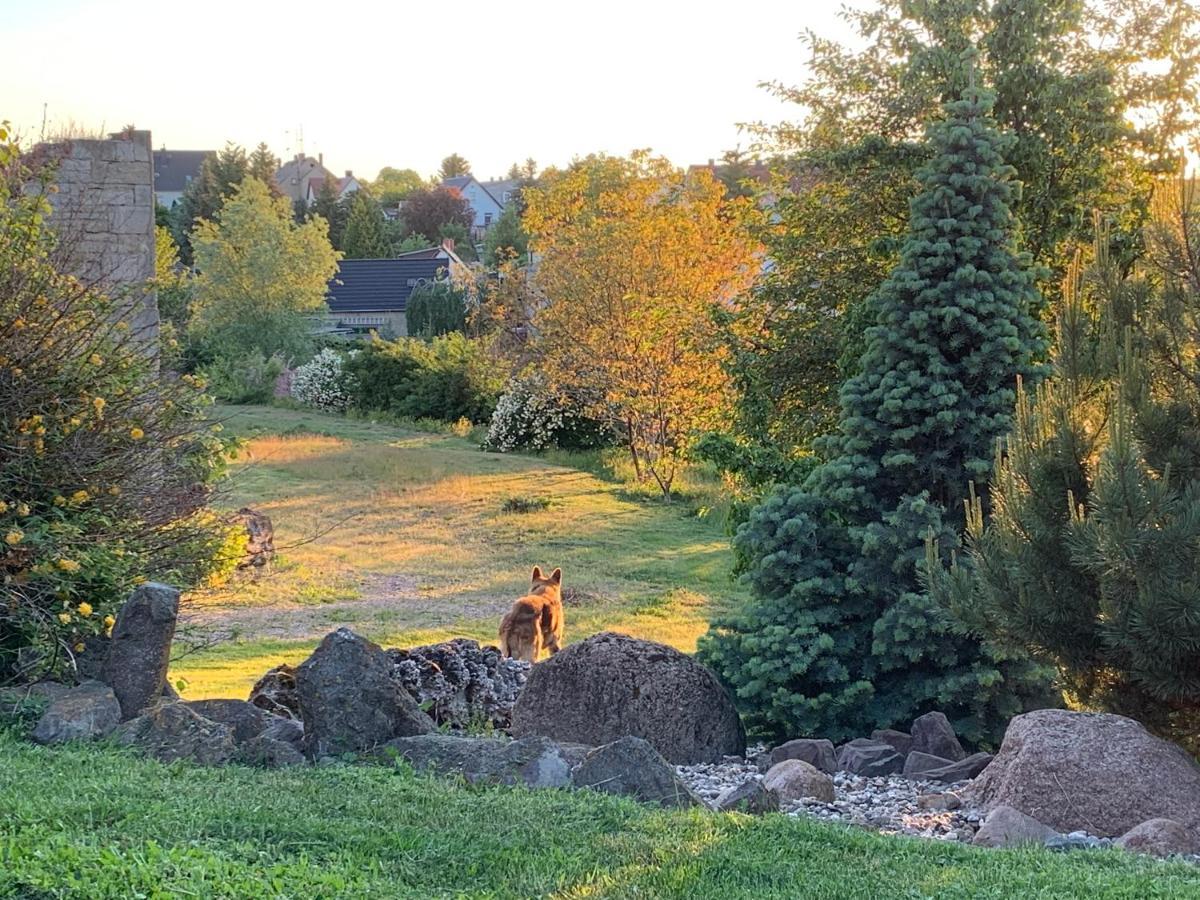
(543, 584)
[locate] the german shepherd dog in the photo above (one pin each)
(536, 620)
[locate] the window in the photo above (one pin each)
(487, 219)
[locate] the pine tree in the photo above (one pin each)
(1091, 556)
(329, 207)
(841, 637)
(365, 236)
(263, 164)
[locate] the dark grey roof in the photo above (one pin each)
(173, 169)
(458, 181)
(378, 285)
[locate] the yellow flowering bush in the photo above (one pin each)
(106, 457)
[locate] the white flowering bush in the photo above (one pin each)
(323, 382)
(529, 417)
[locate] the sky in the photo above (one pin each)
(404, 84)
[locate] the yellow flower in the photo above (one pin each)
(98, 404)
(65, 618)
(79, 647)
(3, 507)
(85, 609)
(136, 433)
(79, 497)
(115, 491)
(14, 537)
(18, 323)
(140, 579)
(22, 509)
(109, 621)
(75, 421)
(60, 500)
(67, 565)
(95, 359)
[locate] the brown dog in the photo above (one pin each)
(536, 620)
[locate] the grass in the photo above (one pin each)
(97, 823)
(413, 536)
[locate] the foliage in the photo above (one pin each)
(530, 417)
(506, 239)
(322, 382)
(171, 281)
(840, 637)
(447, 378)
(263, 165)
(460, 235)
(334, 209)
(392, 186)
(107, 458)
(435, 308)
(524, 505)
(453, 166)
(1091, 555)
(426, 212)
(244, 377)
(219, 175)
(1096, 95)
(637, 261)
(365, 236)
(260, 277)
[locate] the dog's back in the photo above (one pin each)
(535, 620)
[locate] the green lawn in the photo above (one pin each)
(96, 823)
(421, 548)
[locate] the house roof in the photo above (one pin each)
(173, 169)
(378, 285)
(497, 188)
(458, 181)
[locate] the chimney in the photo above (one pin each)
(320, 159)
(712, 163)
(349, 174)
(448, 244)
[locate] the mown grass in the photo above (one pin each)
(420, 536)
(91, 822)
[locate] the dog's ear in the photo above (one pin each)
(556, 576)
(537, 573)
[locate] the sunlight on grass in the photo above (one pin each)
(410, 537)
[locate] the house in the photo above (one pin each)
(504, 191)
(301, 177)
(455, 267)
(372, 294)
(486, 208)
(174, 171)
(345, 186)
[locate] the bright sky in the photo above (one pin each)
(404, 84)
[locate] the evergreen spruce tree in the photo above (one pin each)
(327, 205)
(365, 236)
(840, 636)
(263, 164)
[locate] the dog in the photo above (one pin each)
(536, 620)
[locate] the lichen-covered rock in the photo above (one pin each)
(612, 686)
(1096, 772)
(276, 693)
(461, 684)
(87, 711)
(632, 767)
(534, 762)
(349, 700)
(172, 731)
(140, 650)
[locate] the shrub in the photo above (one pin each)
(435, 308)
(248, 378)
(528, 417)
(322, 382)
(106, 460)
(522, 505)
(447, 378)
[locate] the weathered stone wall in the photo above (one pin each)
(104, 216)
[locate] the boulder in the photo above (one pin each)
(794, 779)
(748, 797)
(862, 756)
(534, 762)
(172, 731)
(1007, 827)
(612, 686)
(1161, 837)
(87, 711)
(269, 753)
(92, 661)
(246, 719)
(932, 733)
(631, 766)
(901, 742)
(923, 767)
(141, 647)
(290, 731)
(461, 684)
(939, 802)
(260, 538)
(348, 699)
(276, 693)
(1089, 771)
(815, 752)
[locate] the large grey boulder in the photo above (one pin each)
(246, 719)
(631, 766)
(290, 731)
(794, 779)
(534, 762)
(750, 797)
(814, 751)
(901, 742)
(1092, 772)
(140, 650)
(172, 731)
(348, 699)
(924, 767)
(1007, 827)
(461, 684)
(269, 753)
(862, 756)
(1161, 837)
(86, 711)
(932, 733)
(612, 686)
